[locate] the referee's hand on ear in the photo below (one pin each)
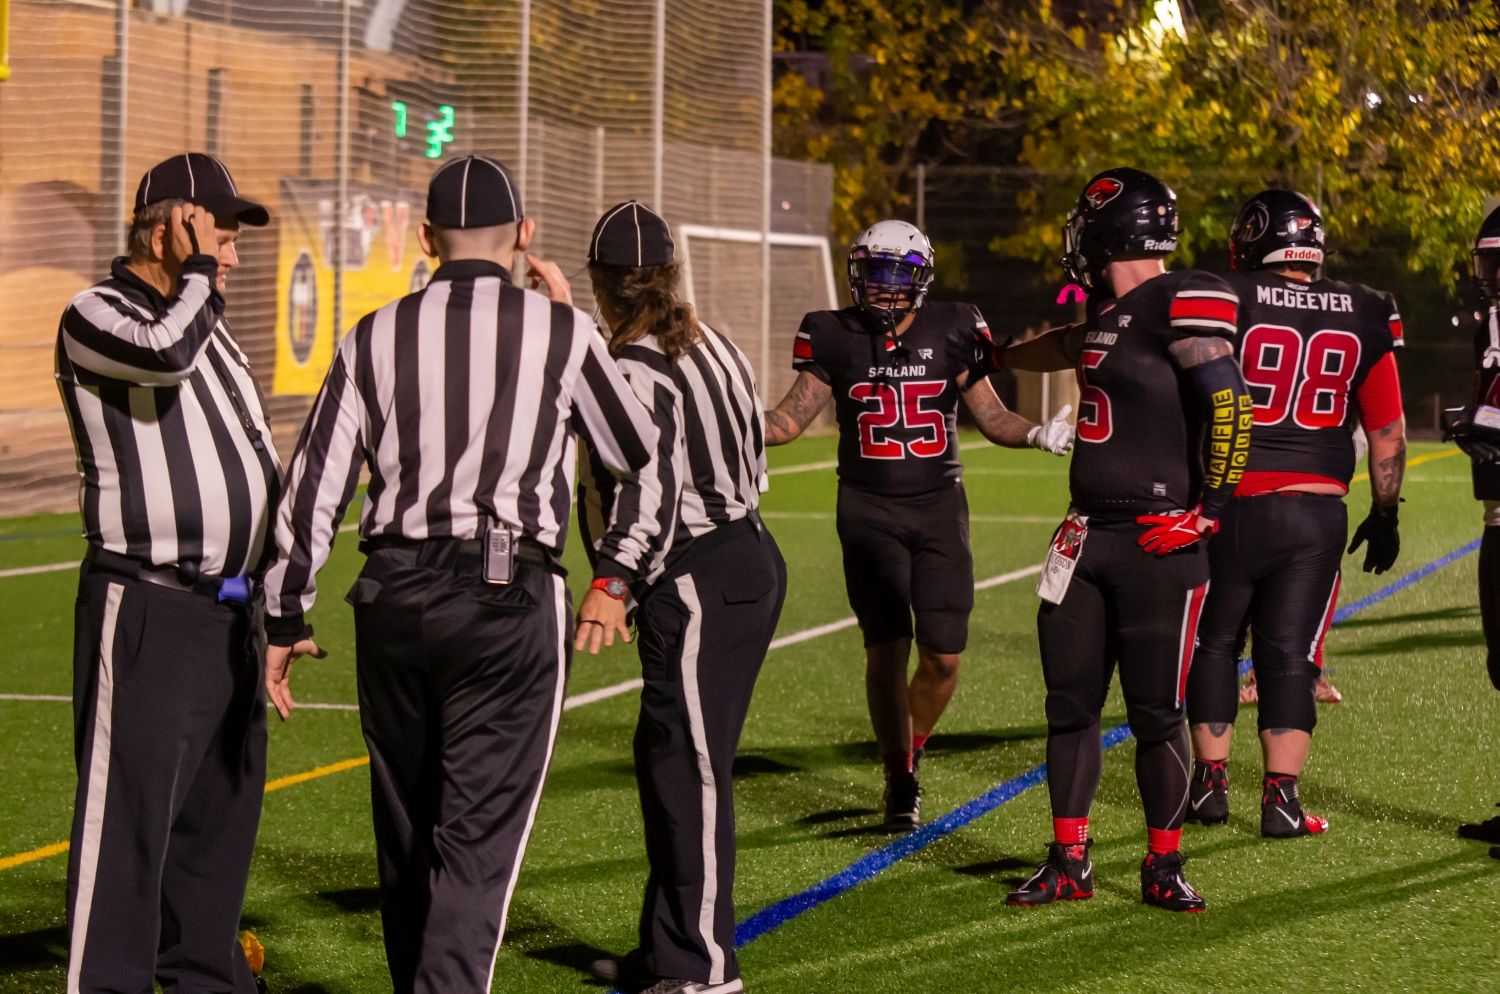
(279, 660)
(600, 618)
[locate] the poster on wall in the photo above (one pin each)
(382, 262)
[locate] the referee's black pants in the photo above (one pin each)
(169, 737)
(704, 630)
(460, 691)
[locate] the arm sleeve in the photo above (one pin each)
(1203, 306)
(106, 336)
(320, 482)
(643, 518)
(803, 359)
(1231, 416)
(1379, 395)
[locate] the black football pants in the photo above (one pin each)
(1275, 561)
(169, 737)
(704, 628)
(460, 690)
(1128, 607)
(1489, 597)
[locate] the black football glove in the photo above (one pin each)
(1379, 530)
(1458, 428)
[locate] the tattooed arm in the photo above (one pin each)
(994, 420)
(1387, 462)
(802, 402)
(1190, 352)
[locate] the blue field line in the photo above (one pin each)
(868, 866)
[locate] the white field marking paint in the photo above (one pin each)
(809, 467)
(988, 519)
(73, 564)
(625, 687)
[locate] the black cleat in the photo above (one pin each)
(1281, 814)
(1068, 875)
(1208, 793)
(1163, 886)
(1481, 831)
(903, 802)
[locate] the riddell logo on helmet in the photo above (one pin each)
(1153, 245)
(1102, 191)
(1302, 255)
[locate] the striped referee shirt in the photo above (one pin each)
(460, 399)
(174, 447)
(711, 452)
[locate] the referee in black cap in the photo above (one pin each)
(178, 478)
(459, 399)
(708, 602)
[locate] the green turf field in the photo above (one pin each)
(1389, 901)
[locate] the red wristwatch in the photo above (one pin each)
(611, 585)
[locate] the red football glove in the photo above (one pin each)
(1166, 533)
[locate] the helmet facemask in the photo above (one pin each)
(1075, 263)
(1487, 271)
(887, 287)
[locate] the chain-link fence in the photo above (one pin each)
(334, 113)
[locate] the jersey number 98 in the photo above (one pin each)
(1310, 380)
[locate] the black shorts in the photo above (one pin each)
(905, 556)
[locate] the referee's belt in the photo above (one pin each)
(224, 590)
(450, 550)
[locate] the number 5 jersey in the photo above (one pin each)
(896, 399)
(1317, 357)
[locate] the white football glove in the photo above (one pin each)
(1056, 436)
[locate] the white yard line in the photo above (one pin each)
(625, 687)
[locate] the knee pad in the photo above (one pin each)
(1286, 682)
(1154, 722)
(942, 631)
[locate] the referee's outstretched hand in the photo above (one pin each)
(600, 618)
(279, 660)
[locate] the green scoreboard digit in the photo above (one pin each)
(437, 130)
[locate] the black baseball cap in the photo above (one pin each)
(474, 191)
(200, 179)
(632, 234)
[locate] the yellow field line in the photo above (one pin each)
(1419, 460)
(58, 848)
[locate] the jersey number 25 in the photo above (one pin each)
(887, 409)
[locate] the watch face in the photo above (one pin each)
(615, 587)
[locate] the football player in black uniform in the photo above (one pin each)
(1163, 432)
(895, 366)
(1319, 357)
(1478, 433)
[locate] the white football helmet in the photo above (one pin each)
(890, 269)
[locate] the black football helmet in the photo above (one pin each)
(1276, 228)
(1120, 212)
(1487, 256)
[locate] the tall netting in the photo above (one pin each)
(334, 113)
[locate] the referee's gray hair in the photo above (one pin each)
(138, 236)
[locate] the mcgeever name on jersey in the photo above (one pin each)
(1307, 300)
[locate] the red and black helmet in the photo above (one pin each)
(1120, 212)
(1276, 228)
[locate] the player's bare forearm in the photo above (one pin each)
(1049, 351)
(1387, 462)
(802, 402)
(994, 420)
(1190, 352)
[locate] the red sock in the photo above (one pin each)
(897, 761)
(919, 741)
(1163, 840)
(1070, 831)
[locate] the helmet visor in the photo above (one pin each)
(893, 275)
